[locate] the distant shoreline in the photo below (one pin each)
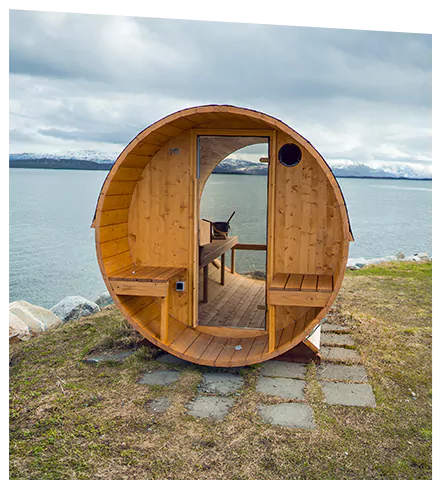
(93, 166)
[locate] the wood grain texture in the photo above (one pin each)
(149, 201)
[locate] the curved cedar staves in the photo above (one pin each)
(147, 236)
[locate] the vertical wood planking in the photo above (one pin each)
(159, 217)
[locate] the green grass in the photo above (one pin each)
(71, 420)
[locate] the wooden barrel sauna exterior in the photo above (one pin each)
(147, 224)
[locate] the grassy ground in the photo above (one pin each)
(71, 420)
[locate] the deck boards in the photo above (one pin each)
(239, 303)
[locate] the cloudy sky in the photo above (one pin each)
(92, 82)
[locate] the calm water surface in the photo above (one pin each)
(52, 247)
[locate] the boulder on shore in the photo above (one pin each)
(38, 319)
(358, 262)
(74, 307)
(104, 299)
(400, 255)
(18, 330)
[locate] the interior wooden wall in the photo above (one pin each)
(308, 231)
(160, 216)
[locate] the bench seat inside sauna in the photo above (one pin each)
(143, 281)
(301, 290)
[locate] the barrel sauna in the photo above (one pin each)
(147, 233)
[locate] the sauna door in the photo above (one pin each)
(224, 297)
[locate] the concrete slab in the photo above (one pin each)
(338, 372)
(160, 405)
(335, 339)
(338, 393)
(335, 354)
(221, 383)
(169, 359)
(296, 415)
(210, 407)
(333, 328)
(289, 370)
(279, 386)
(159, 378)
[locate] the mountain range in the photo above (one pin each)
(92, 160)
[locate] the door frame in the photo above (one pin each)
(195, 213)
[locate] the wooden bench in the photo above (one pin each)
(147, 281)
(301, 290)
(143, 281)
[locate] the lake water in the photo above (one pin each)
(52, 247)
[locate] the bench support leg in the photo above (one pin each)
(271, 327)
(223, 269)
(205, 284)
(164, 319)
(232, 262)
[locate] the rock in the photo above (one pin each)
(18, 330)
(400, 255)
(35, 326)
(104, 299)
(352, 267)
(74, 307)
(358, 262)
(38, 319)
(422, 255)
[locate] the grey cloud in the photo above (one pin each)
(208, 60)
(102, 79)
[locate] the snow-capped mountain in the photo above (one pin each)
(350, 168)
(91, 159)
(87, 155)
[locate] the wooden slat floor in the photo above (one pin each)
(239, 303)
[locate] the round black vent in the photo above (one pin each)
(290, 155)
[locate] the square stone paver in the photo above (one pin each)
(335, 354)
(280, 386)
(334, 339)
(333, 328)
(159, 378)
(221, 383)
(159, 405)
(338, 372)
(289, 370)
(338, 393)
(210, 407)
(297, 415)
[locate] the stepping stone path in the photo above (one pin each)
(159, 378)
(116, 357)
(210, 407)
(291, 389)
(221, 383)
(336, 372)
(275, 368)
(297, 415)
(342, 383)
(334, 339)
(348, 394)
